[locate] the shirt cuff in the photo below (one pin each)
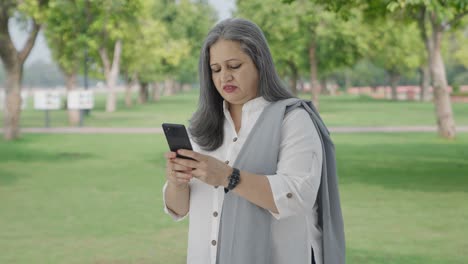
(286, 200)
(168, 211)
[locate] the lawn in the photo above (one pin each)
(97, 199)
(342, 110)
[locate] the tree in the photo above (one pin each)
(396, 48)
(109, 23)
(145, 49)
(304, 30)
(187, 22)
(286, 41)
(65, 33)
(33, 13)
(192, 21)
(434, 18)
(440, 16)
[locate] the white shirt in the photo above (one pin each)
(294, 187)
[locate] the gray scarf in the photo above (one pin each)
(244, 232)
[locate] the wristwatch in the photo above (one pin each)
(234, 180)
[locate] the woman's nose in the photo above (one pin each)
(226, 76)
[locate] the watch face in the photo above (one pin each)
(234, 179)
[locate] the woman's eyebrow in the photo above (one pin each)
(233, 59)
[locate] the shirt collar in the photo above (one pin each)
(251, 106)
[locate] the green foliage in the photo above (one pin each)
(365, 73)
(167, 40)
(340, 43)
(286, 39)
(34, 9)
(395, 46)
(109, 21)
(188, 23)
(66, 33)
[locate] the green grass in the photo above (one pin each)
(97, 199)
(342, 110)
(364, 111)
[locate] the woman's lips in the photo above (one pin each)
(229, 88)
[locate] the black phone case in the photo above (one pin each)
(177, 138)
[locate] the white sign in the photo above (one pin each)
(82, 99)
(24, 100)
(47, 100)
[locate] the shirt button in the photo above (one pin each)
(213, 242)
(234, 139)
(227, 162)
(289, 195)
(215, 214)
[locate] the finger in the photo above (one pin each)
(190, 154)
(186, 162)
(181, 175)
(178, 167)
(183, 180)
(170, 155)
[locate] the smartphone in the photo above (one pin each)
(177, 138)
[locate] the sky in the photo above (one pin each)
(42, 52)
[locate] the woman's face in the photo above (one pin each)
(233, 72)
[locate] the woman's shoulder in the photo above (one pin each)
(297, 115)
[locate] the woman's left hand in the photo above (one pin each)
(205, 168)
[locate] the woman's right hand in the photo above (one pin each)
(177, 175)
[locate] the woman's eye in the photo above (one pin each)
(215, 70)
(236, 66)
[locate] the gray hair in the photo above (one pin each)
(206, 124)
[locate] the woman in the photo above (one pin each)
(255, 190)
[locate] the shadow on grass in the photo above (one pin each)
(21, 151)
(411, 166)
(7, 177)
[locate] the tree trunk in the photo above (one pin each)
(144, 93)
(13, 61)
(128, 94)
(156, 92)
(424, 82)
(394, 80)
(73, 114)
(169, 86)
(293, 78)
(425, 71)
(443, 105)
(12, 110)
(315, 86)
(111, 72)
(347, 79)
(177, 87)
(186, 87)
(323, 86)
(128, 90)
(293, 84)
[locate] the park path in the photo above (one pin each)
(154, 130)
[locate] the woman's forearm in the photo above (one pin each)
(256, 189)
(178, 198)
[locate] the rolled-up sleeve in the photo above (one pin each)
(168, 211)
(296, 182)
